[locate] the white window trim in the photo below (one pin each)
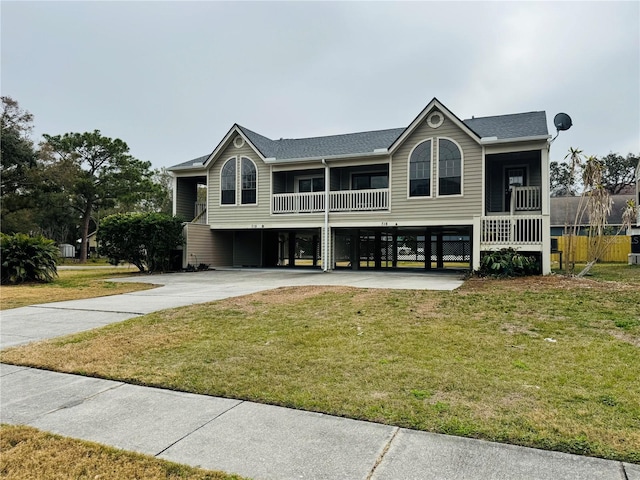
(430, 119)
(461, 194)
(238, 142)
(238, 183)
(422, 197)
(227, 205)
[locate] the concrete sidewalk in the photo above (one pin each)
(268, 442)
(254, 440)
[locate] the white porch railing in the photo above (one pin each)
(526, 199)
(339, 201)
(200, 213)
(511, 230)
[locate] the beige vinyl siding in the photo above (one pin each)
(453, 207)
(222, 248)
(239, 216)
(199, 245)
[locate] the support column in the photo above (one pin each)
(377, 250)
(427, 249)
(475, 243)
(546, 245)
(292, 249)
(394, 253)
(314, 247)
(439, 250)
(355, 250)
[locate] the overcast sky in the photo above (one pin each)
(171, 78)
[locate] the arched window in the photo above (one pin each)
(228, 182)
(449, 168)
(420, 170)
(249, 181)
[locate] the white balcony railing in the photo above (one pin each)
(339, 201)
(298, 202)
(511, 230)
(359, 200)
(526, 199)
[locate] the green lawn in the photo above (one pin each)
(547, 362)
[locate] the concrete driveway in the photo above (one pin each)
(49, 320)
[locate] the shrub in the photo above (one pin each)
(28, 259)
(143, 239)
(508, 262)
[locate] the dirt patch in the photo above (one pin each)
(626, 337)
(540, 283)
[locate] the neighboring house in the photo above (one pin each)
(434, 194)
(563, 212)
(92, 245)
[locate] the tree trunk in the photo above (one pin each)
(84, 244)
(586, 268)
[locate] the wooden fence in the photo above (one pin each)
(618, 249)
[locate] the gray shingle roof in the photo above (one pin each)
(517, 125)
(563, 208)
(191, 163)
(513, 126)
(333, 145)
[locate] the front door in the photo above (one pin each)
(513, 177)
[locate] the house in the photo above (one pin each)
(92, 244)
(563, 212)
(432, 195)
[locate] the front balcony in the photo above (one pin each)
(339, 201)
(511, 231)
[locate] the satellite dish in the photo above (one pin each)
(562, 121)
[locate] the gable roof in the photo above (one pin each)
(434, 104)
(501, 127)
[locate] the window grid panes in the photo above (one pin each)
(228, 182)
(449, 168)
(249, 181)
(420, 170)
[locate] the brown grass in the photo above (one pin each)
(71, 285)
(30, 454)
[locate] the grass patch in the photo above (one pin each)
(70, 285)
(547, 362)
(28, 453)
(611, 272)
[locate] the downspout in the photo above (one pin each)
(325, 240)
